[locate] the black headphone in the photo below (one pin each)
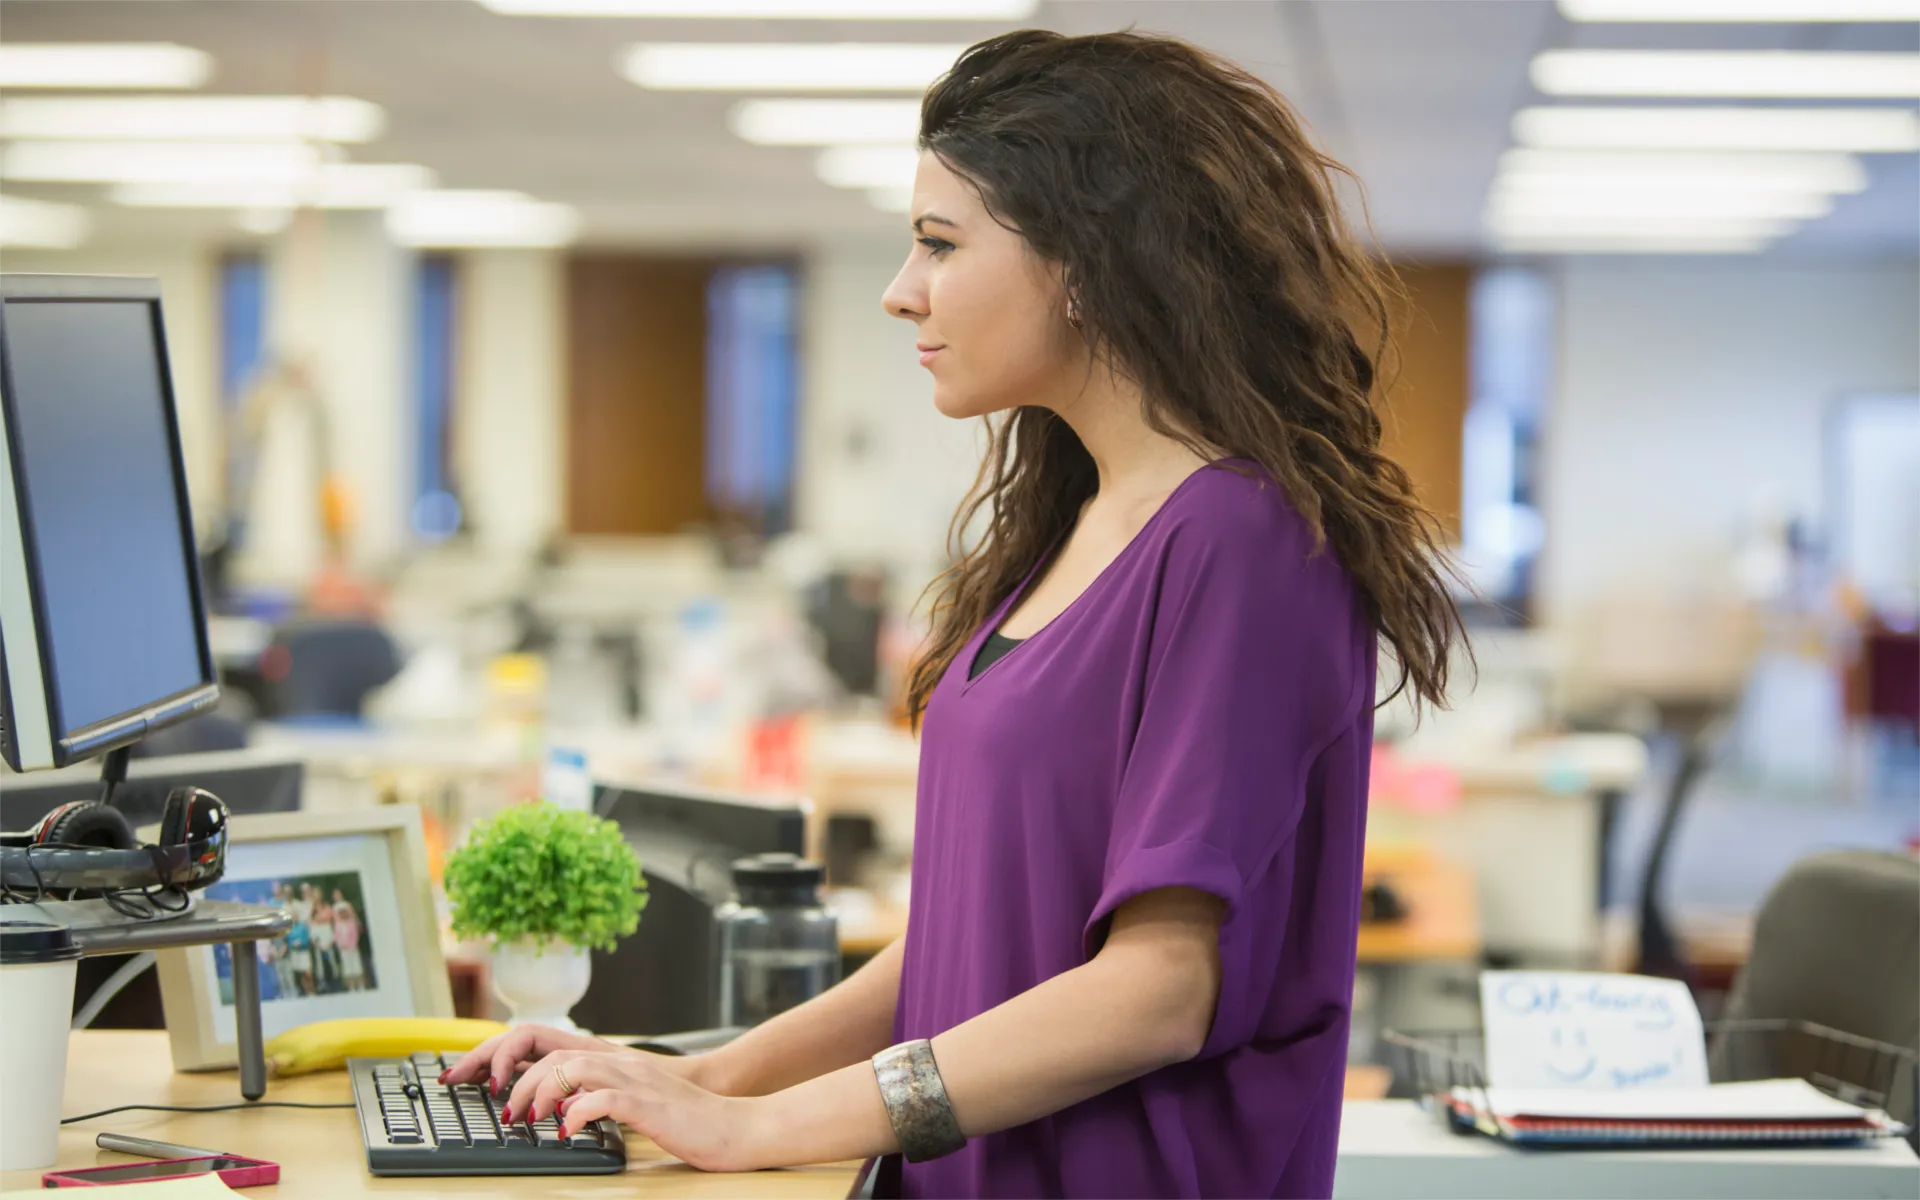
(86, 848)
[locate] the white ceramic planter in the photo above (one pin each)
(539, 986)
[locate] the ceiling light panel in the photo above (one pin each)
(333, 185)
(103, 65)
(158, 162)
(1770, 73)
(1862, 130)
(193, 118)
(1548, 225)
(41, 224)
(773, 66)
(825, 122)
(480, 218)
(791, 10)
(1741, 11)
(890, 199)
(1834, 173)
(1631, 244)
(890, 167)
(1651, 203)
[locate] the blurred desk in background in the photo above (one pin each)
(1532, 822)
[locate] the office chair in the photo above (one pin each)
(1697, 724)
(326, 668)
(1837, 943)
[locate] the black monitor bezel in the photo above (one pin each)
(69, 746)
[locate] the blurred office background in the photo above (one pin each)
(536, 392)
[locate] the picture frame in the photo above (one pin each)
(365, 943)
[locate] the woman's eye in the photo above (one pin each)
(935, 245)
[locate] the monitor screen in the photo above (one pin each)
(111, 540)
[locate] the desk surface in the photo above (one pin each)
(320, 1153)
(1391, 1148)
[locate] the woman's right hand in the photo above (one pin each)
(502, 1056)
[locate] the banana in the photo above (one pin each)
(325, 1045)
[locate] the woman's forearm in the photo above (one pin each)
(847, 1023)
(1078, 1034)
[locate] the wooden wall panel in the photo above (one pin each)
(1427, 402)
(636, 394)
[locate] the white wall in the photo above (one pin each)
(340, 295)
(510, 401)
(1691, 394)
(881, 471)
(188, 275)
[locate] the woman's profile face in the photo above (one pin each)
(991, 315)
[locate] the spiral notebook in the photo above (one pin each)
(1761, 1111)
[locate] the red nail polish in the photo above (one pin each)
(506, 1115)
(443, 1076)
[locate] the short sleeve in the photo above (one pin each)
(1252, 669)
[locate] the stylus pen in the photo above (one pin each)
(147, 1148)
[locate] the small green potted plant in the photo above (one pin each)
(544, 885)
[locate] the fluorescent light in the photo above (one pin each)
(1587, 169)
(41, 223)
(792, 10)
(1865, 130)
(773, 66)
(868, 166)
(158, 162)
(103, 65)
(1630, 244)
(892, 200)
(264, 221)
(1524, 205)
(333, 185)
(1635, 226)
(462, 218)
(825, 122)
(1766, 73)
(194, 118)
(1782, 11)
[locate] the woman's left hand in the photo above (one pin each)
(704, 1130)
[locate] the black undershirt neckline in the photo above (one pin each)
(992, 651)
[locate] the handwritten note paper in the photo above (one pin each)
(1566, 1029)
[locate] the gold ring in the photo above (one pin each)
(567, 1086)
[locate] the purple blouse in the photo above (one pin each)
(1201, 716)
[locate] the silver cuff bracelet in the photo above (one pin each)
(916, 1101)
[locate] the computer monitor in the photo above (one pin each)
(662, 979)
(103, 632)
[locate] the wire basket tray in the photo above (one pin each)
(1875, 1075)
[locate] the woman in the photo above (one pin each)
(326, 971)
(1147, 700)
(346, 938)
(300, 939)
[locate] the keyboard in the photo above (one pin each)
(412, 1125)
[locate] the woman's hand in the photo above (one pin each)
(503, 1055)
(648, 1093)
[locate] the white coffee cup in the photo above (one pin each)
(36, 1007)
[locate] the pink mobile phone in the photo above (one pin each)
(232, 1170)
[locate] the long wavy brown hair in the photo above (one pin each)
(1197, 227)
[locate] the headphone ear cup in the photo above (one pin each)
(88, 823)
(173, 817)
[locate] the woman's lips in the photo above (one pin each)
(927, 355)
